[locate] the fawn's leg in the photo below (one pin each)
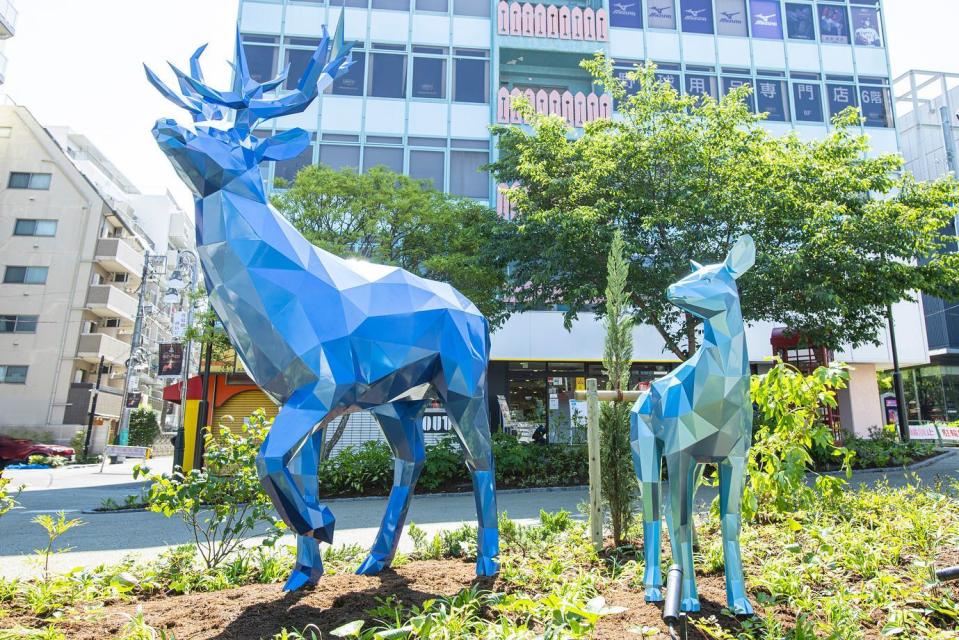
(648, 462)
(401, 426)
(732, 476)
(288, 464)
(682, 470)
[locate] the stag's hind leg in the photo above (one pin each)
(288, 464)
(732, 475)
(682, 476)
(469, 416)
(401, 426)
(648, 463)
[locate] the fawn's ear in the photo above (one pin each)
(741, 257)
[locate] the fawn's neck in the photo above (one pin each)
(724, 338)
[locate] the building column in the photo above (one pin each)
(860, 408)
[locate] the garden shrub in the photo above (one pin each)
(144, 429)
(367, 469)
(883, 448)
(7, 500)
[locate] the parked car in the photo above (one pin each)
(13, 450)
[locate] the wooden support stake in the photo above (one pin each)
(595, 480)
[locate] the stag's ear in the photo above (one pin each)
(284, 146)
(694, 266)
(741, 257)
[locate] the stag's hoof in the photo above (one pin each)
(654, 594)
(741, 607)
(372, 566)
(301, 577)
(486, 566)
(690, 605)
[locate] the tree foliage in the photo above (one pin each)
(393, 219)
(839, 231)
(144, 429)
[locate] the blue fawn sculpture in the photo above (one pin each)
(699, 413)
(323, 336)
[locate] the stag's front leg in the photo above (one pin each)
(682, 472)
(401, 426)
(732, 476)
(647, 462)
(288, 464)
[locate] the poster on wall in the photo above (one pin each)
(833, 24)
(773, 100)
(134, 400)
(697, 16)
(626, 13)
(865, 26)
(731, 18)
(766, 19)
(808, 98)
(800, 24)
(661, 14)
(840, 97)
(171, 360)
(876, 106)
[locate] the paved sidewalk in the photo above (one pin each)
(108, 537)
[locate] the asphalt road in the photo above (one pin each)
(109, 537)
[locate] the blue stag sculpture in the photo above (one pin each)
(323, 336)
(699, 413)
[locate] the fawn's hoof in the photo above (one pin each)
(372, 566)
(486, 566)
(741, 607)
(301, 577)
(690, 605)
(654, 594)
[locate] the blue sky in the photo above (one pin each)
(77, 63)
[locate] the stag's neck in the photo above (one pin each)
(724, 340)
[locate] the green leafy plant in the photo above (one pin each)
(50, 461)
(883, 448)
(55, 527)
(223, 503)
(144, 429)
(8, 500)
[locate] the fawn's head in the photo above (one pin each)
(211, 157)
(710, 290)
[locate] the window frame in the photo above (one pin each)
(17, 320)
(5, 373)
(45, 179)
(26, 272)
(36, 226)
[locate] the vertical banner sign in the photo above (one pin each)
(731, 18)
(766, 19)
(697, 85)
(626, 13)
(833, 24)
(865, 26)
(178, 324)
(808, 97)
(875, 106)
(772, 99)
(840, 96)
(697, 16)
(134, 400)
(171, 360)
(661, 14)
(800, 24)
(730, 84)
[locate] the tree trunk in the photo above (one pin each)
(690, 335)
(335, 437)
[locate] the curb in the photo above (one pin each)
(95, 512)
(454, 494)
(943, 454)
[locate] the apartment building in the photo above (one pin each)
(74, 237)
(8, 27)
(431, 76)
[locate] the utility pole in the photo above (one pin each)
(123, 435)
(93, 410)
(176, 283)
(902, 410)
(201, 419)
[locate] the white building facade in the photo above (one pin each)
(431, 76)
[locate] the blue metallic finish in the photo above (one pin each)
(699, 413)
(324, 336)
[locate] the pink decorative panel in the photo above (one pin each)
(565, 28)
(542, 102)
(592, 107)
(552, 21)
(515, 19)
(502, 105)
(602, 25)
(539, 21)
(513, 116)
(576, 23)
(502, 18)
(567, 106)
(579, 109)
(605, 106)
(527, 19)
(589, 24)
(555, 103)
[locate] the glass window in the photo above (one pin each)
(876, 106)
(25, 275)
(351, 84)
(13, 374)
(18, 324)
(387, 75)
(429, 77)
(389, 157)
(39, 180)
(697, 16)
(626, 14)
(661, 14)
(475, 8)
(731, 18)
(363, 4)
(338, 156)
(441, 6)
(261, 61)
(392, 5)
(471, 80)
(27, 227)
(732, 82)
(865, 26)
(766, 19)
(700, 85)
(808, 99)
(298, 59)
(840, 96)
(799, 22)
(428, 165)
(772, 99)
(833, 24)
(466, 178)
(22, 180)
(287, 169)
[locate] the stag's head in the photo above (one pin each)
(221, 147)
(710, 290)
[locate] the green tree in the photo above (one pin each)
(841, 233)
(143, 427)
(393, 219)
(618, 477)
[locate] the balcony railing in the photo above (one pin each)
(117, 255)
(93, 345)
(576, 109)
(107, 300)
(552, 21)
